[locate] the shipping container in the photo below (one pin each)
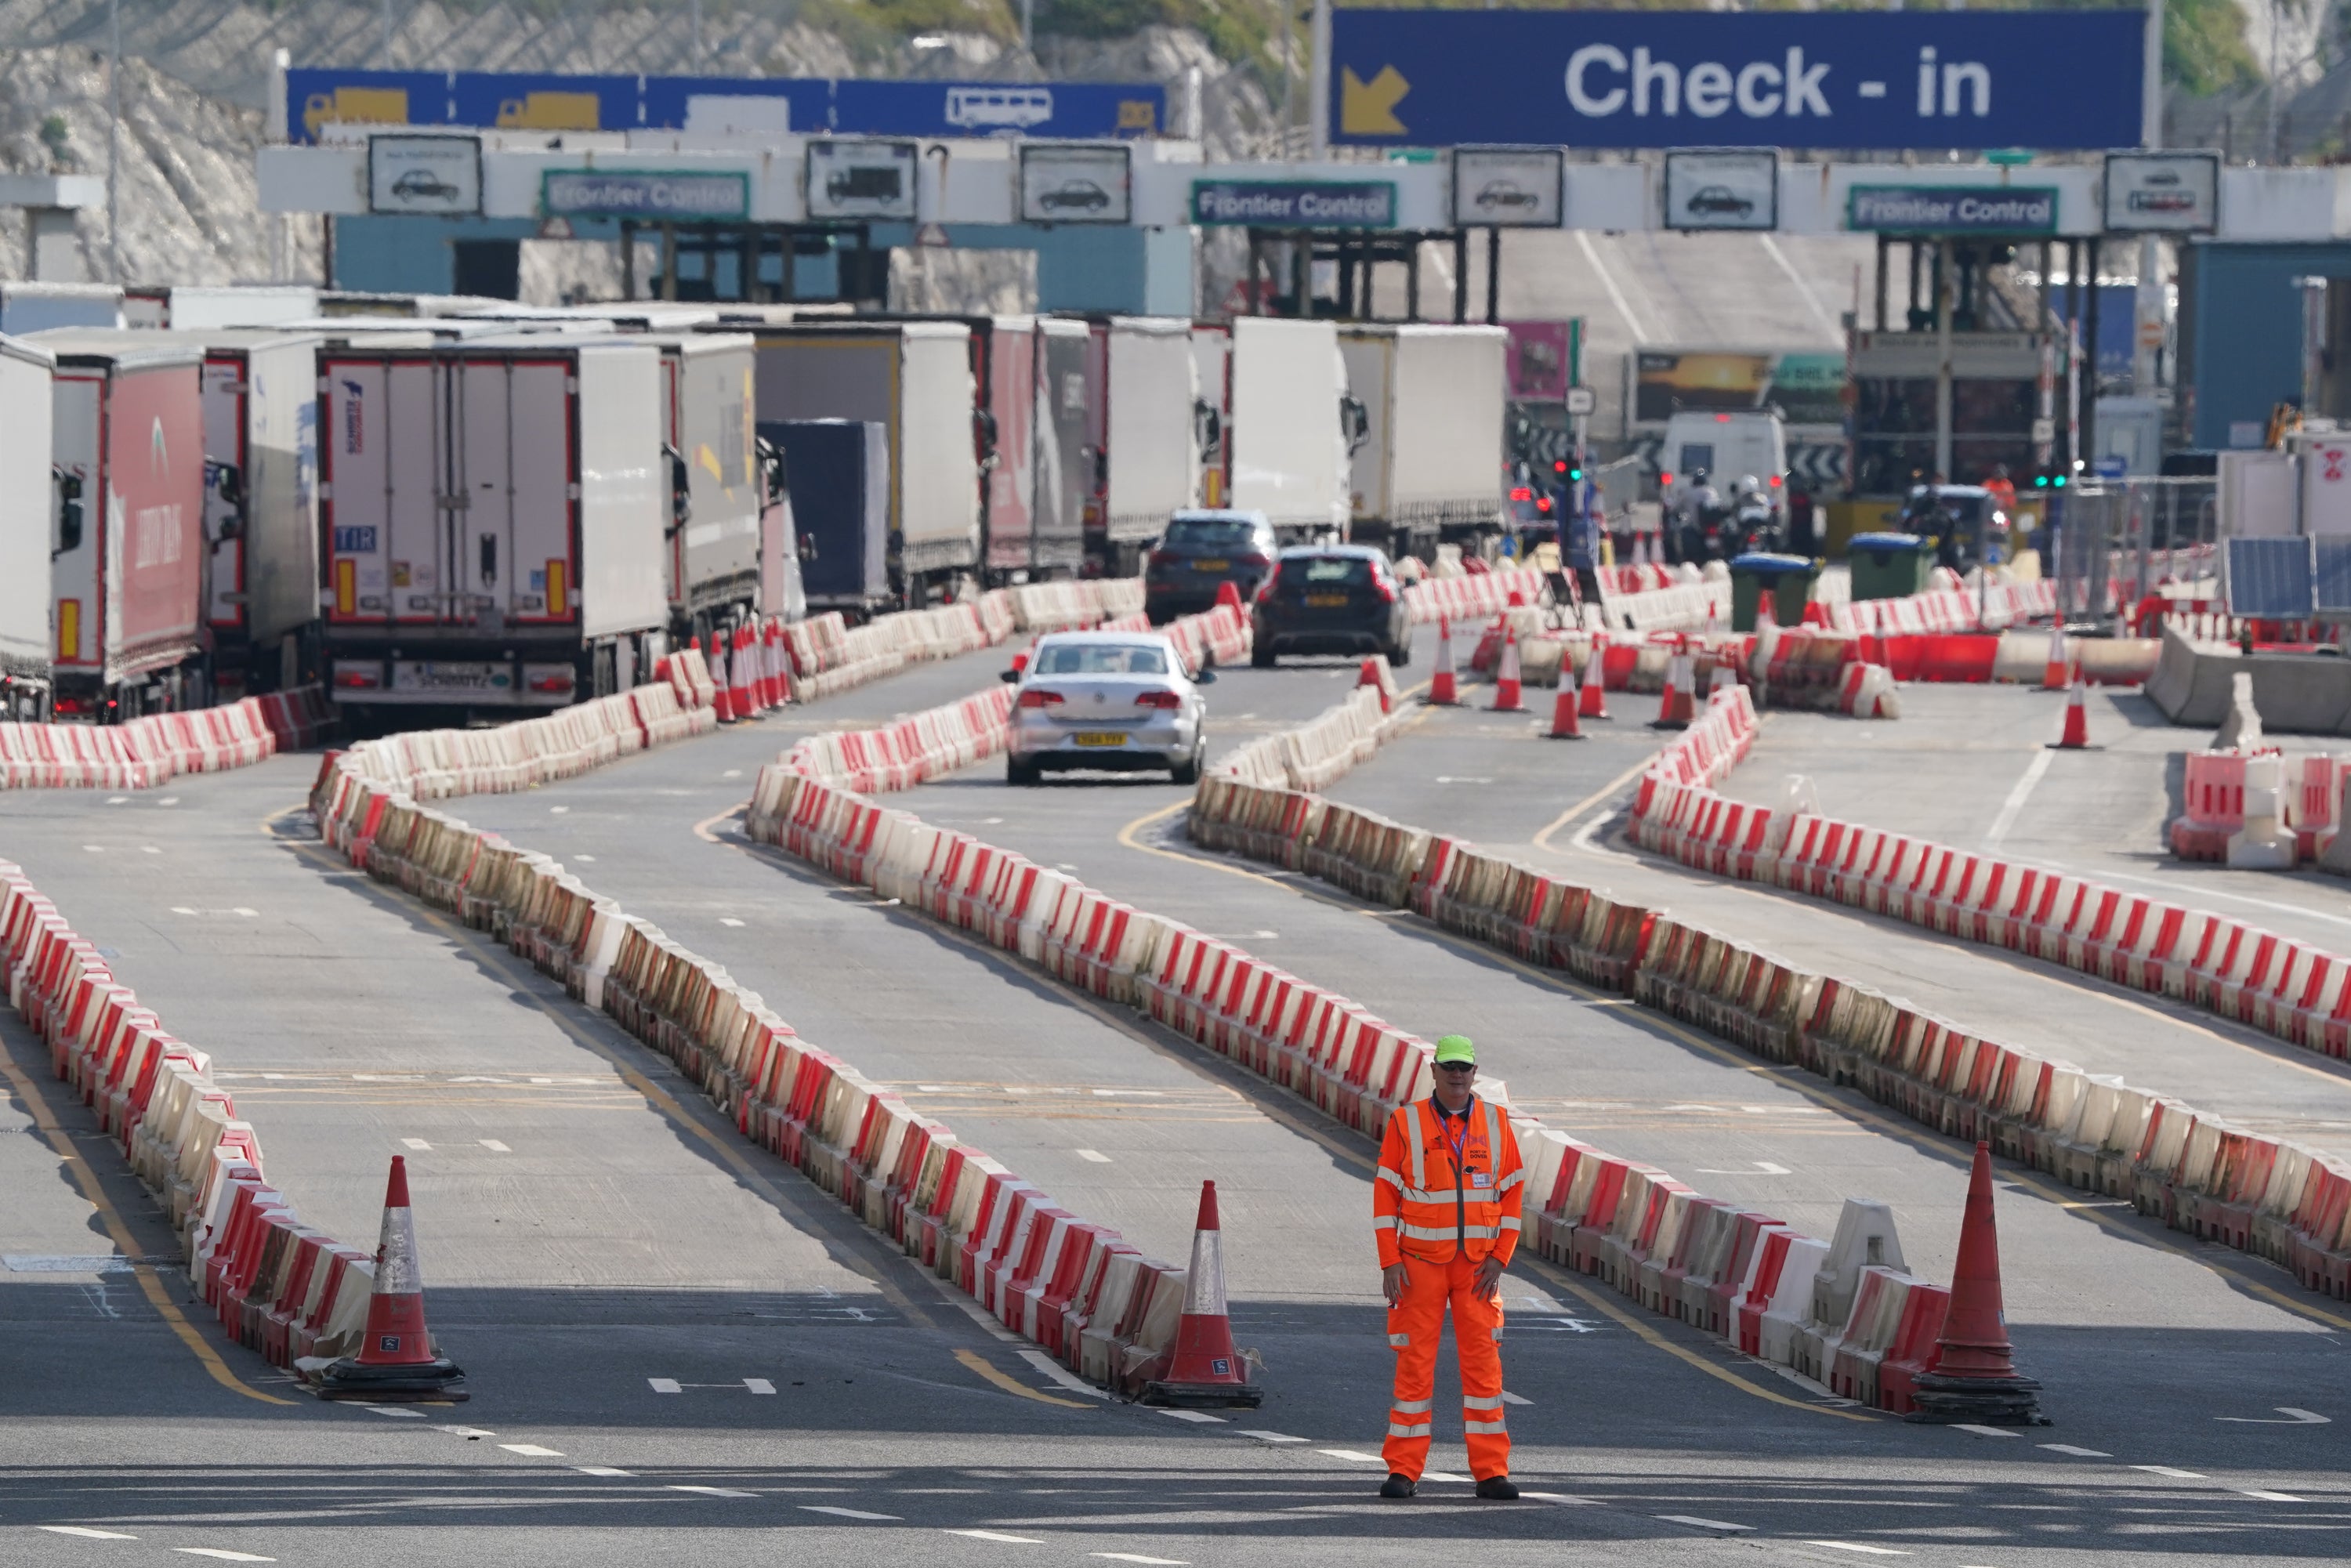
(495, 514)
(838, 474)
(1286, 445)
(716, 499)
(1430, 465)
(127, 572)
(210, 308)
(46, 306)
(26, 486)
(1143, 432)
(913, 379)
(1066, 395)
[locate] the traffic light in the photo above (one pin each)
(2048, 480)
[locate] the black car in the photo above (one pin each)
(1199, 553)
(1720, 199)
(1076, 195)
(422, 184)
(1332, 599)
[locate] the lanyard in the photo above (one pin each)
(1458, 1140)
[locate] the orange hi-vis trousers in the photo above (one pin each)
(1414, 1325)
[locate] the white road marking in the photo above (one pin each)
(1563, 1499)
(85, 1531)
(531, 1450)
(1857, 1546)
(395, 1410)
(416, 1144)
(583, 858)
(1192, 1416)
(1510, 1398)
(2272, 1496)
(846, 1512)
(1615, 295)
(1983, 1431)
(1267, 1437)
(730, 920)
(2176, 1474)
(2070, 1449)
(1447, 779)
(1138, 1557)
(169, 800)
(558, 810)
(1096, 1156)
(1763, 1167)
(731, 773)
(95, 849)
(1804, 287)
(150, 850)
(495, 1147)
(2014, 807)
(468, 1432)
(602, 1471)
(1442, 1476)
(1691, 1519)
(111, 800)
(1355, 1454)
(2294, 1418)
(712, 1491)
(666, 1384)
(999, 1535)
(758, 1385)
(1061, 1374)
(222, 1553)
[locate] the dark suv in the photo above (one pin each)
(1199, 553)
(1332, 599)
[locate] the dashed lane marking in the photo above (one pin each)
(1095, 1156)
(999, 1535)
(1355, 1454)
(666, 1384)
(495, 1147)
(711, 1491)
(1563, 1499)
(1138, 1557)
(1191, 1415)
(1983, 1431)
(532, 1450)
(1694, 1521)
(602, 1471)
(469, 1432)
(1270, 1437)
(86, 1533)
(417, 1144)
(730, 920)
(395, 1411)
(847, 1512)
(2293, 1418)
(2270, 1496)
(221, 1552)
(2173, 1473)
(758, 1385)
(2078, 1453)
(1858, 1546)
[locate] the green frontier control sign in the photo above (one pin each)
(1295, 204)
(655, 194)
(1951, 209)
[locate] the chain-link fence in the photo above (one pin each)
(2119, 541)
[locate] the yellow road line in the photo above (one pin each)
(979, 1363)
(151, 1283)
(1542, 839)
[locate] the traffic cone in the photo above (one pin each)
(1723, 678)
(1507, 695)
(1204, 1369)
(2053, 672)
(1975, 1377)
(779, 664)
(1564, 724)
(1679, 705)
(1594, 704)
(722, 701)
(2076, 736)
(397, 1363)
(1442, 692)
(1371, 677)
(1767, 611)
(1229, 595)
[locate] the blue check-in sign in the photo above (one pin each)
(1295, 204)
(1951, 210)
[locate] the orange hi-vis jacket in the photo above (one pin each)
(1427, 1204)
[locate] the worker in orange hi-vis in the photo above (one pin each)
(1445, 1211)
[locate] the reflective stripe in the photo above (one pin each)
(1511, 1180)
(1444, 1233)
(1478, 1427)
(1413, 1406)
(1419, 1168)
(1392, 1177)
(1498, 1330)
(1384, 1222)
(1438, 1195)
(1511, 1222)
(1470, 1404)
(1398, 1429)
(1399, 1339)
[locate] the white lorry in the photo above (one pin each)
(1431, 463)
(1290, 426)
(495, 514)
(915, 379)
(25, 488)
(716, 514)
(1147, 465)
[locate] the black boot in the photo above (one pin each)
(1497, 1487)
(1398, 1485)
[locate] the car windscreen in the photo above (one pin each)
(1102, 659)
(1964, 510)
(1336, 570)
(1212, 533)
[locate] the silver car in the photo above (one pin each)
(1119, 700)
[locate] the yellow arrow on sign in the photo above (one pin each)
(1368, 107)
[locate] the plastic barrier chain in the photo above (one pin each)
(145, 752)
(281, 1288)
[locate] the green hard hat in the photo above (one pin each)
(1457, 1048)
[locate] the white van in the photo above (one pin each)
(1728, 448)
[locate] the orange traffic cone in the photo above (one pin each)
(1594, 704)
(722, 700)
(1564, 724)
(1203, 1368)
(1767, 611)
(1723, 679)
(747, 705)
(779, 664)
(1229, 595)
(2053, 672)
(1679, 705)
(398, 1362)
(1371, 677)
(1442, 691)
(1507, 695)
(1975, 1377)
(2076, 736)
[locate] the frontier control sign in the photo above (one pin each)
(1295, 204)
(1951, 210)
(623, 194)
(1876, 81)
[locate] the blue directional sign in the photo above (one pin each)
(1880, 80)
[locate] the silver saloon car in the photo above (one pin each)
(1118, 700)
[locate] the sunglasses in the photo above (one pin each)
(1456, 1067)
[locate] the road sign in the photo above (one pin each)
(438, 175)
(1507, 187)
(1295, 204)
(1579, 399)
(1840, 79)
(1734, 190)
(2169, 192)
(1074, 184)
(861, 179)
(1951, 209)
(628, 193)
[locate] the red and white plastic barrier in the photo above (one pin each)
(145, 752)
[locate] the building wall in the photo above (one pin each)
(2241, 333)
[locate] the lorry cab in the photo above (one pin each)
(1726, 447)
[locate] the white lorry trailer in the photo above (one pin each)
(495, 514)
(1288, 439)
(25, 645)
(913, 379)
(715, 541)
(1147, 463)
(1431, 463)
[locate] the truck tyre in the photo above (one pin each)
(1019, 771)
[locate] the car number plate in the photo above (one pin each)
(1205, 565)
(1326, 601)
(1100, 737)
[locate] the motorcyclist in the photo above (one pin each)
(1702, 507)
(1753, 514)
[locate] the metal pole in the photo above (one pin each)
(2314, 345)
(1318, 85)
(2090, 348)
(1029, 26)
(384, 49)
(2146, 343)
(1943, 270)
(113, 137)
(1461, 276)
(1493, 276)
(628, 260)
(1884, 243)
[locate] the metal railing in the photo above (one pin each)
(2118, 540)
